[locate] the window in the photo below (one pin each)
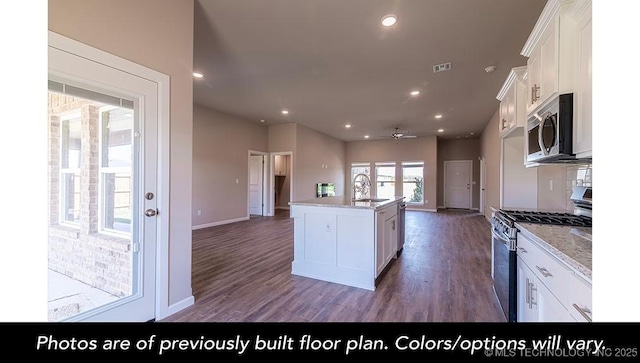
(70, 177)
(116, 133)
(385, 180)
(361, 190)
(412, 181)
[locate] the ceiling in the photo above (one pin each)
(331, 62)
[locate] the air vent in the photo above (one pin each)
(442, 67)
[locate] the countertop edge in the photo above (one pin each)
(567, 260)
(365, 205)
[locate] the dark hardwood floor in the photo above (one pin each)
(242, 273)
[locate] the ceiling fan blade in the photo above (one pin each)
(408, 136)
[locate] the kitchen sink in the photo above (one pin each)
(375, 200)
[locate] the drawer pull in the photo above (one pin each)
(523, 250)
(584, 312)
(544, 271)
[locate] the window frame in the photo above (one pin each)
(352, 176)
(413, 164)
(394, 180)
(75, 114)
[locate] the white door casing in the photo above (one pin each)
(457, 184)
(79, 64)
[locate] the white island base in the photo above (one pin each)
(343, 241)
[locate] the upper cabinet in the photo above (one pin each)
(549, 49)
(580, 12)
(512, 101)
(559, 61)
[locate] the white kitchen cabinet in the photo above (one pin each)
(550, 56)
(536, 303)
(386, 236)
(280, 165)
(547, 288)
(579, 299)
(582, 139)
(391, 237)
(512, 102)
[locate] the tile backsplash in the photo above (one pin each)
(578, 175)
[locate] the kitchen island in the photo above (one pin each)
(340, 240)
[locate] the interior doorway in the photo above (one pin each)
(281, 178)
(457, 184)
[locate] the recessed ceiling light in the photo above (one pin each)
(285, 112)
(438, 116)
(440, 130)
(366, 136)
(415, 93)
(261, 120)
(197, 75)
(471, 133)
(389, 20)
(347, 126)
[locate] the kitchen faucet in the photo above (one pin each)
(364, 185)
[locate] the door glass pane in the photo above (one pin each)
(91, 197)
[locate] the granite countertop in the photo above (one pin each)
(572, 245)
(346, 202)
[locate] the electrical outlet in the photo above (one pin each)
(199, 212)
(237, 181)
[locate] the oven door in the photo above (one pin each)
(504, 269)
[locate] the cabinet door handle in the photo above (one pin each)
(544, 271)
(523, 250)
(532, 100)
(531, 301)
(393, 225)
(585, 312)
(527, 296)
(536, 89)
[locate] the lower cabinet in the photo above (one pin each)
(536, 303)
(386, 237)
(548, 291)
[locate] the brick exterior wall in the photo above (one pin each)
(82, 252)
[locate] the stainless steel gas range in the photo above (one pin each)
(504, 247)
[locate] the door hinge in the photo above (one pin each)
(136, 134)
(135, 247)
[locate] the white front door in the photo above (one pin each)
(255, 184)
(103, 156)
(457, 184)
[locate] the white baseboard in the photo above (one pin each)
(286, 208)
(441, 207)
(213, 224)
(478, 209)
(182, 304)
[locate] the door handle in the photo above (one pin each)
(150, 212)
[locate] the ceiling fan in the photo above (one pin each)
(401, 135)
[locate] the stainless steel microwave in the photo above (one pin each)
(550, 132)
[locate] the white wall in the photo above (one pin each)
(221, 144)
